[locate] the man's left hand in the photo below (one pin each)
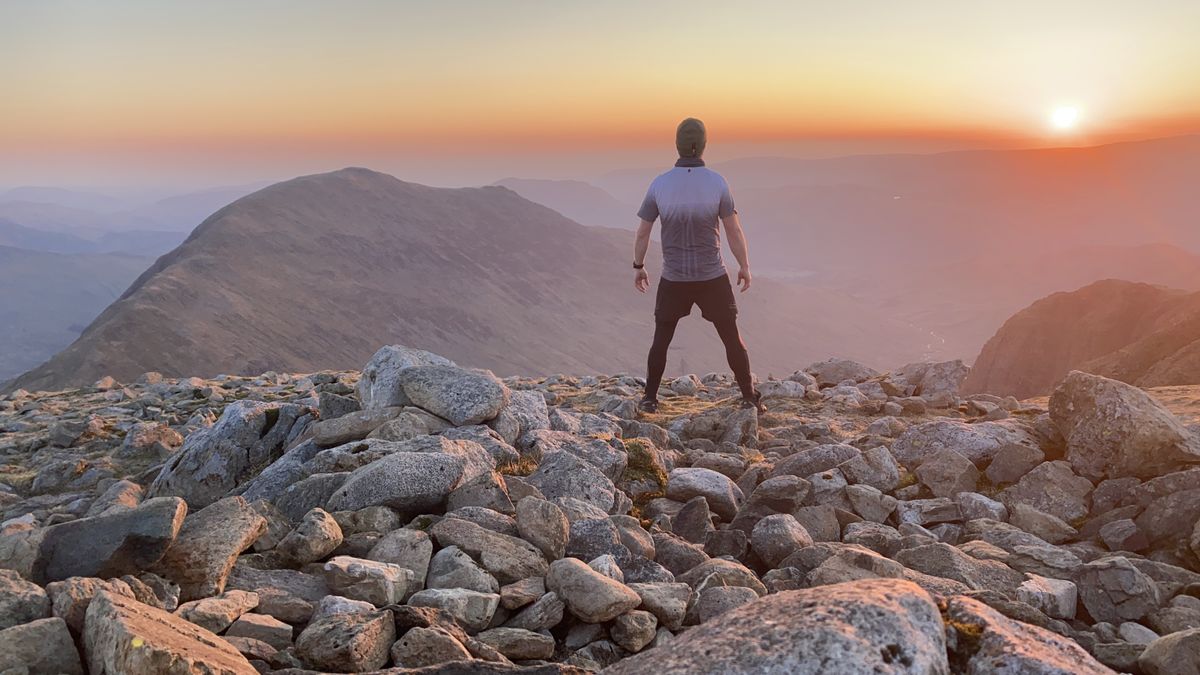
(743, 278)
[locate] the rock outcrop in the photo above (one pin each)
(421, 515)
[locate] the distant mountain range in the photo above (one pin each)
(47, 299)
(316, 272)
(1138, 333)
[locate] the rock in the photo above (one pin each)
(834, 371)
(124, 636)
(947, 473)
(354, 426)
(1136, 633)
(882, 539)
(20, 600)
(1174, 654)
(380, 385)
(778, 536)
(472, 609)
(287, 595)
(520, 593)
(408, 548)
(985, 641)
(70, 598)
(265, 628)
(124, 542)
(874, 625)
(1113, 590)
(1054, 597)
(421, 646)
(411, 482)
(451, 568)
(1123, 535)
(717, 600)
(948, 562)
(933, 379)
(461, 396)
(317, 535)
(367, 580)
(412, 422)
(122, 495)
(875, 467)
(816, 460)
(347, 642)
(208, 545)
(1013, 461)
(722, 572)
(217, 613)
(507, 558)
(869, 503)
(633, 630)
(215, 460)
(544, 525)
(1038, 523)
(1053, 488)
(336, 604)
(519, 644)
(972, 505)
(668, 602)
(1113, 429)
(608, 456)
(589, 595)
(927, 511)
(151, 441)
(41, 646)
(545, 613)
(979, 442)
(561, 474)
(724, 497)
(694, 522)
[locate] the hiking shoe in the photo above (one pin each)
(755, 403)
(648, 406)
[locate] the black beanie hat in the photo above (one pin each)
(690, 138)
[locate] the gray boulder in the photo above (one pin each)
(455, 394)
(977, 442)
(380, 386)
(724, 497)
(215, 460)
(873, 625)
(833, 371)
(410, 482)
(1113, 429)
(986, 641)
(561, 475)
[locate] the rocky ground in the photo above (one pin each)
(423, 517)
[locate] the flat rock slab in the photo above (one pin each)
(125, 637)
(873, 625)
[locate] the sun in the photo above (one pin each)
(1064, 118)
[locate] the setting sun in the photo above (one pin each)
(1064, 118)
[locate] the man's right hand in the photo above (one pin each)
(641, 280)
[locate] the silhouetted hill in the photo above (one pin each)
(1142, 334)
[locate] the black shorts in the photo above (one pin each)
(714, 296)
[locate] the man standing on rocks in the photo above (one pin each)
(690, 199)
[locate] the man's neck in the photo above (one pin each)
(689, 161)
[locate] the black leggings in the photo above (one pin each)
(735, 353)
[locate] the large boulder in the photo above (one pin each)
(215, 460)
(588, 594)
(986, 641)
(20, 600)
(1052, 488)
(124, 636)
(380, 386)
(834, 371)
(42, 646)
(871, 625)
(1174, 654)
(1113, 429)
(933, 379)
(561, 474)
(455, 394)
(977, 442)
(125, 542)
(724, 497)
(208, 545)
(410, 482)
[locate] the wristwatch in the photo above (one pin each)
(638, 266)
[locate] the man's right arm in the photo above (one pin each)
(641, 243)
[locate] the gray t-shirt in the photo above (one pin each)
(689, 199)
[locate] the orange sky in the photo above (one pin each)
(242, 87)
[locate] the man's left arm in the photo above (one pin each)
(736, 237)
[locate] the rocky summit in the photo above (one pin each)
(418, 516)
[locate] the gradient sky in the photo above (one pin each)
(458, 92)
